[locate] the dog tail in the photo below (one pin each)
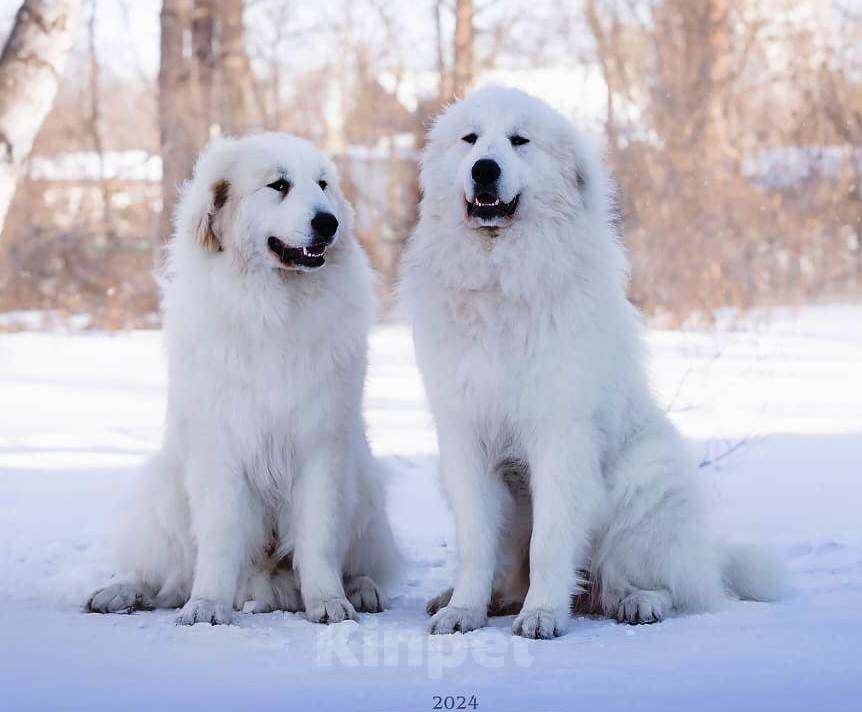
(754, 574)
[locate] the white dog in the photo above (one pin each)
(559, 467)
(265, 489)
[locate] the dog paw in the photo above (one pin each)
(365, 595)
(643, 607)
(203, 610)
(120, 598)
(330, 610)
(439, 601)
(453, 619)
(540, 623)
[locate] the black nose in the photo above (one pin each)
(324, 225)
(485, 171)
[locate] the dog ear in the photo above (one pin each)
(578, 168)
(588, 176)
(585, 171)
(580, 178)
(206, 233)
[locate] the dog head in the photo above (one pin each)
(267, 201)
(501, 154)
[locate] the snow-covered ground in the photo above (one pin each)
(79, 412)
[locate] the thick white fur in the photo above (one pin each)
(265, 489)
(558, 464)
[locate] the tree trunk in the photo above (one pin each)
(444, 90)
(31, 66)
(603, 56)
(177, 125)
(464, 63)
(94, 120)
(203, 35)
(720, 41)
(236, 105)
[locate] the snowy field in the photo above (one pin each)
(78, 413)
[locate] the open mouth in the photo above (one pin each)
(305, 258)
(489, 208)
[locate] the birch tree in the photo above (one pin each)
(31, 66)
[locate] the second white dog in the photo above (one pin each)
(265, 489)
(560, 468)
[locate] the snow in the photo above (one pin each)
(135, 165)
(798, 165)
(80, 412)
(43, 319)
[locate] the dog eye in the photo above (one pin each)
(322, 184)
(281, 185)
(517, 140)
(470, 138)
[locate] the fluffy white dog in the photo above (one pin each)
(569, 486)
(265, 489)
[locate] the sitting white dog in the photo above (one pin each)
(565, 478)
(265, 489)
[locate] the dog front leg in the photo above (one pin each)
(218, 504)
(319, 551)
(475, 498)
(564, 480)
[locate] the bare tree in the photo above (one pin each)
(210, 85)
(95, 117)
(458, 62)
(841, 100)
(464, 66)
(677, 68)
(734, 129)
(177, 125)
(203, 48)
(30, 69)
(236, 101)
(444, 88)
(602, 38)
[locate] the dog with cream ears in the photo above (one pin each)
(569, 485)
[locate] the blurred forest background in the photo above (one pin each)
(733, 127)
